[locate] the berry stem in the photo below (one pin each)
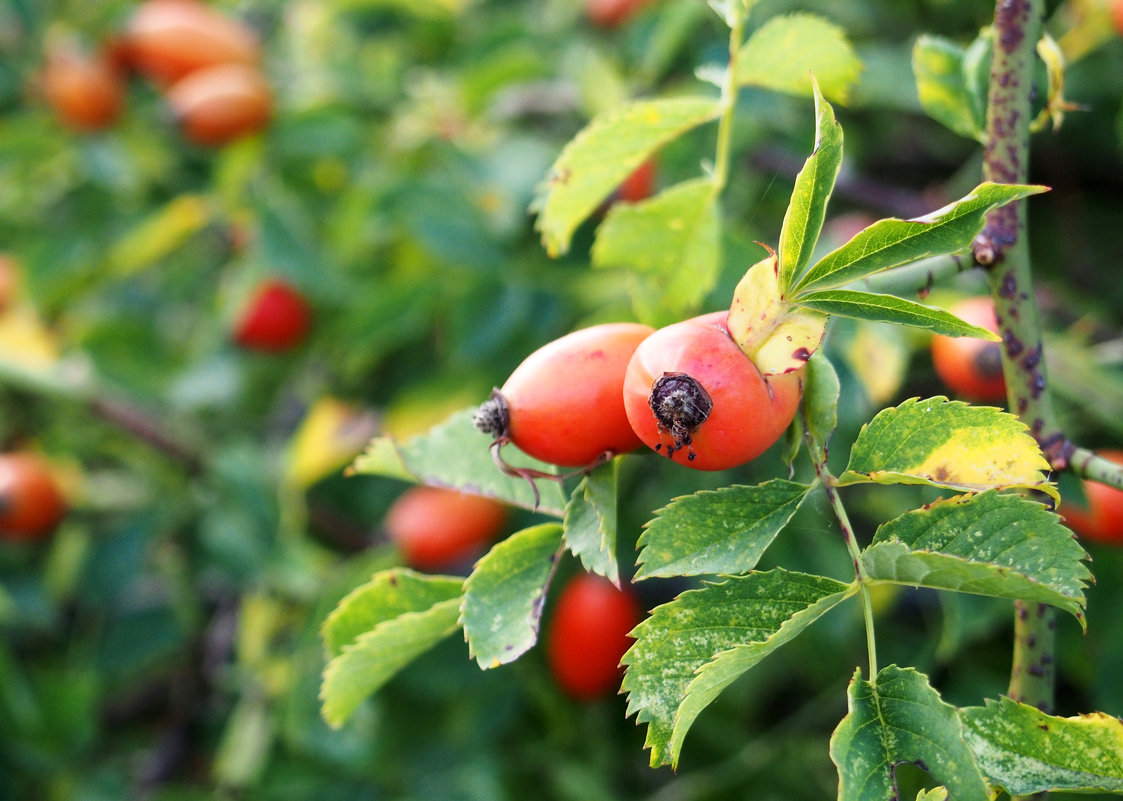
(736, 19)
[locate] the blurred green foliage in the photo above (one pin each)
(164, 643)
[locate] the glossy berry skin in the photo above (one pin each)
(85, 91)
(216, 105)
(971, 368)
(276, 318)
(588, 635)
(440, 529)
(168, 39)
(747, 412)
(31, 504)
(1102, 520)
(564, 403)
(610, 13)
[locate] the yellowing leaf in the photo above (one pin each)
(25, 342)
(786, 51)
(948, 444)
(777, 337)
(160, 234)
(331, 435)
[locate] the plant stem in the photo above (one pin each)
(1003, 249)
(827, 480)
(728, 99)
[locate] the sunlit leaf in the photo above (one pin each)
(990, 544)
(1025, 752)
(898, 718)
(590, 522)
(699, 626)
(947, 444)
(454, 454)
(159, 234)
(892, 242)
(891, 309)
(718, 531)
(673, 240)
(606, 152)
(504, 595)
(331, 434)
(807, 208)
(787, 50)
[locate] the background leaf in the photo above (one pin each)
(989, 544)
(673, 240)
(387, 595)
(504, 595)
(681, 636)
(590, 522)
(717, 531)
(606, 152)
(1024, 751)
(455, 454)
(899, 718)
(786, 50)
(942, 85)
(374, 657)
(892, 242)
(947, 444)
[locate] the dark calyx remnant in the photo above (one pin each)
(493, 416)
(680, 405)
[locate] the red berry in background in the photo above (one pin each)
(216, 105)
(168, 39)
(31, 503)
(437, 529)
(1117, 16)
(276, 318)
(9, 281)
(692, 395)
(971, 368)
(639, 185)
(588, 635)
(85, 91)
(1102, 520)
(610, 13)
(564, 403)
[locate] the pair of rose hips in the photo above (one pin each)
(686, 391)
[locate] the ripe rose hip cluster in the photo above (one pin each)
(686, 391)
(206, 65)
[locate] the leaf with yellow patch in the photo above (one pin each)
(777, 337)
(949, 444)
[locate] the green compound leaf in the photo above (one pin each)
(803, 220)
(590, 522)
(754, 614)
(1025, 752)
(891, 309)
(373, 657)
(504, 595)
(672, 242)
(892, 242)
(717, 531)
(949, 444)
(898, 719)
(454, 454)
(387, 595)
(787, 50)
(606, 152)
(1004, 546)
(943, 87)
